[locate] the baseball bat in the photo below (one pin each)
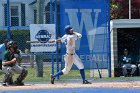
(98, 70)
(35, 42)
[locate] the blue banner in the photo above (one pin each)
(91, 18)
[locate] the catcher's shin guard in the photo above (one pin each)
(7, 78)
(22, 76)
(10, 81)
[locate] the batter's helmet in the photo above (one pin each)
(67, 29)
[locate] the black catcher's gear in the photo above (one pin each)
(7, 79)
(10, 44)
(21, 77)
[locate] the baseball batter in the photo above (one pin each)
(70, 57)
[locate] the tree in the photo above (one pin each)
(119, 9)
(135, 9)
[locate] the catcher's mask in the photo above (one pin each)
(12, 44)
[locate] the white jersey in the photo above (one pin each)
(70, 40)
(71, 57)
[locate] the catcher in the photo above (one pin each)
(17, 52)
(10, 66)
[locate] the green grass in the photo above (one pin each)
(73, 74)
(32, 75)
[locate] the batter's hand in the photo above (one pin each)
(78, 34)
(55, 40)
(51, 41)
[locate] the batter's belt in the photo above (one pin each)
(70, 53)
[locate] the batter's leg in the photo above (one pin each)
(68, 65)
(79, 64)
(52, 77)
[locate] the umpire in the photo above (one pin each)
(3, 48)
(10, 66)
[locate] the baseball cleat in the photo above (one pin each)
(86, 82)
(52, 79)
(18, 83)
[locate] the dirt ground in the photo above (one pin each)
(115, 84)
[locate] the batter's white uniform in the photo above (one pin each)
(71, 57)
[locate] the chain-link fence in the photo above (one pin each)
(15, 19)
(22, 13)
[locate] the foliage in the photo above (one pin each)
(119, 9)
(21, 36)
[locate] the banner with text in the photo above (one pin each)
(42, 33)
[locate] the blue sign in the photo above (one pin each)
(91, 18)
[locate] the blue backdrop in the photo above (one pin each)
(91, 18)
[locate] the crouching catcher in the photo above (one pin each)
(10, 66)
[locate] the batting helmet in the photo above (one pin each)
(67, 29)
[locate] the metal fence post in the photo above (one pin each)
(39, 61)
(51, 12)
(52, 59)
(108, 36)
(8, 19)
(55, 18)
(39, 65)
(40, 11)
(31, 60)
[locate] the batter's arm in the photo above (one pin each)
(78, 34)
(56, 40)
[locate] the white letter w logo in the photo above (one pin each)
(86, 20)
